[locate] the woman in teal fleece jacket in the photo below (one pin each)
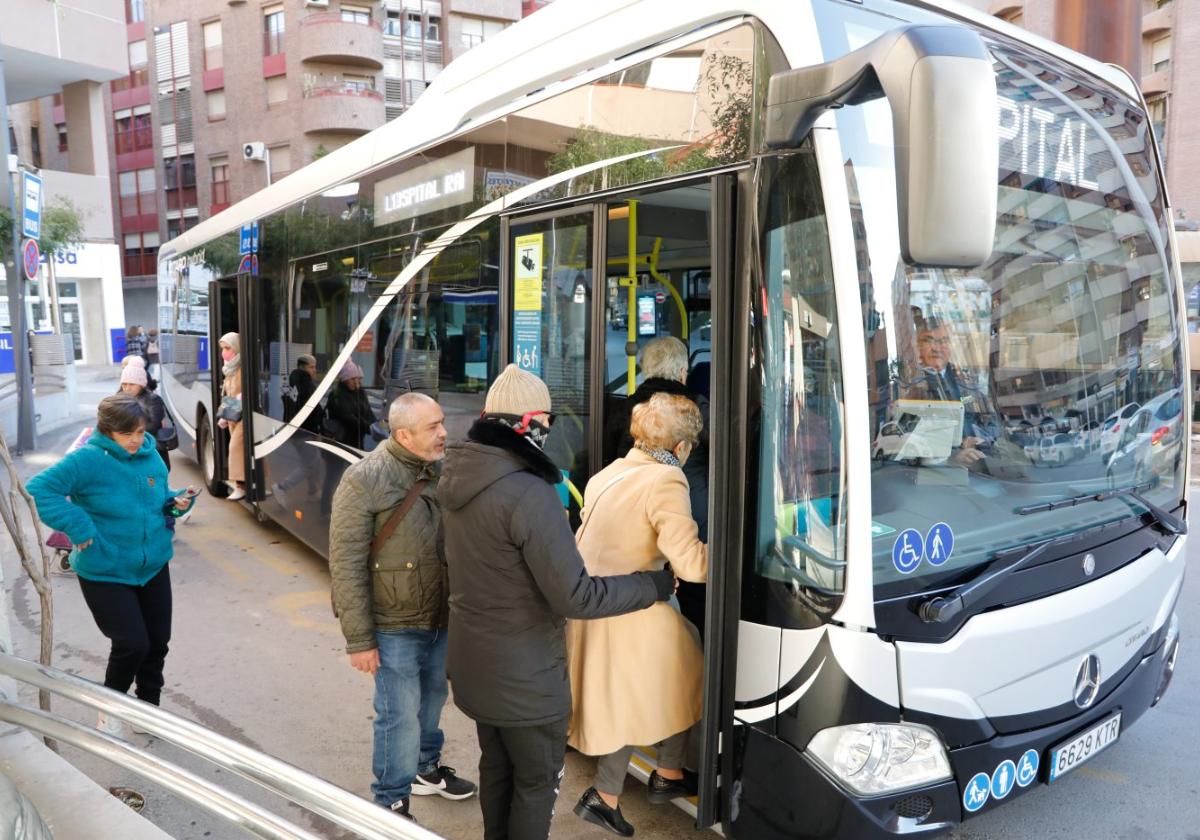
(109, 497)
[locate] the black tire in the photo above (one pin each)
(206, 457)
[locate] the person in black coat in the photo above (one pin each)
(515, 576)
(133, 382)
(301, 386)
(350, 407)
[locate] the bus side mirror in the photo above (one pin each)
(940, 85)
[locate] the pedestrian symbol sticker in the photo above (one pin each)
(1027, 768)
(939, 544)
(977, 791)
(1003, 779)
(906, 551)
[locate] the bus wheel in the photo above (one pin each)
(206, 454)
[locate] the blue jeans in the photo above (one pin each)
(410, 690)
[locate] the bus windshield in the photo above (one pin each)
(1052, 370)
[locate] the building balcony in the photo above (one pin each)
(1156, 83)
(1158, 22)
(327, 37)
(1002, 8)
(342, 108)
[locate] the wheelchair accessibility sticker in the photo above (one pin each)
(911, 547)
(907, 550)
(1027, 768)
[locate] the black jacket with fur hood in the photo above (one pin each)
(515, 577)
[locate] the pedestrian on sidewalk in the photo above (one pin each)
(515, 574)
(390, 593)
(133, 383)
(109, 497)
(135, 341)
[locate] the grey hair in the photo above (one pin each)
(120, 413)
(305, 359)
(664, 358)
(402, 414)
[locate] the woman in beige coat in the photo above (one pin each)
(636, 678)
(231, 386)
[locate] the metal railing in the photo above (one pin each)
(297, 786)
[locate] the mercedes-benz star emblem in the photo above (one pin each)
(1089, 564)
(1087, 681)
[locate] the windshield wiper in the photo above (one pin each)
(942, 608)
(1169, 522)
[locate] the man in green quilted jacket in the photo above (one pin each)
(391, 599)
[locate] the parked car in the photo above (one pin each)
(1110, 432)
(1150, 441)
(1057, 449)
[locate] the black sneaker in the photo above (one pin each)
(444, 782)
(400, 806)
(661, 791)
(592, 809)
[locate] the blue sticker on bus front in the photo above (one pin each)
(1003, 779)
(977, 791)
(1027, 768)
(939, 544)
(906, 551)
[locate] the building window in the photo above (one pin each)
(477, 30)
(216, 104)
(219, 169)
(353, 83)
(276, 90)
(433, 29)
(179, 179)
(356, 14)
(135, 11)
(61, 128)
(1157, 109)
(214, 57)
(139, 73)
(141, 253)
(133, 129)
(412, 89)
(1160, 54)
(178, 226)
(391, 26)
(412, 25)
(273, 30)
(136, 193)
(35, 145)
(281, 162)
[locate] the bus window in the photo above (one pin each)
(662, 291)
(800, 531)
(551, 276)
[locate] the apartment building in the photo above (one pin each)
(1170, 80)
(58, 59)
(226, 96)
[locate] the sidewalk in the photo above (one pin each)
(62, 793)
(72, 805)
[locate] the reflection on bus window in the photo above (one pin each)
(800, 511)
(551, 279)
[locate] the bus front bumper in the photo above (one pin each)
(783, 793)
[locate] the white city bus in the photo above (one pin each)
(904, 242)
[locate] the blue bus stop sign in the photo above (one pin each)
(31, 205)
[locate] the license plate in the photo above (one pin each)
(1070, 754)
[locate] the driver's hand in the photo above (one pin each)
(968, 454)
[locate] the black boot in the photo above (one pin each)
(592, 808)
(661, 791)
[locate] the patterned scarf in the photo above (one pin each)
(663, 456)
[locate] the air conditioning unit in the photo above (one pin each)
(254, 151)
(321, 3)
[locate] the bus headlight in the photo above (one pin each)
(877, 758)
